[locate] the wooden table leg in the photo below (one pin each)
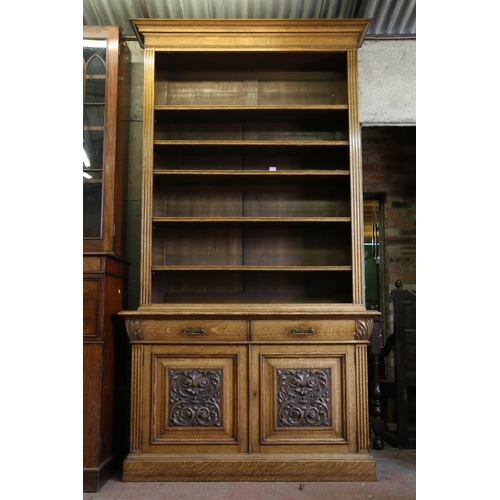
(376, 406)
(376, 402)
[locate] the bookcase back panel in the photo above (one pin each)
(224, 79)
(273, 90)
(296, 245)
(251, 245)
(188, 158)
(196, 286)
(255, 158)
(203, 202)
(197, 245)
(314, 160)
(250, 287)
(198, 93)
(200, 130)
(253, 200)
(294, 203)
(249, 63)
(289, 126)
(313, 129)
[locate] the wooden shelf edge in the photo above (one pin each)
(250, 143)
(255, 173)
(236, 107)
(329, 310)
(251, 219)
(253, 268)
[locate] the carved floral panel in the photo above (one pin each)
(195, 398)
(303, 398)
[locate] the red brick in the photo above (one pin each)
(403, 177)
(401, 240)
(370, 178)
(403, 221)
(406, 231)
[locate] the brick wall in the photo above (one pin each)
(389, 171)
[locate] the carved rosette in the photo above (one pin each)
(364, 328)
(303, 398)
(195, 398)
(134, 329)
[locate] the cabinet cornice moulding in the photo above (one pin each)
(250, 34)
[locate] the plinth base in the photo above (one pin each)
(345, 467)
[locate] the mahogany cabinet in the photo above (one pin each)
(106, 62)
(249, 344)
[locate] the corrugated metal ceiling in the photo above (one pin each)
(390, 18)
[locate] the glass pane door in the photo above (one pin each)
(94, 91)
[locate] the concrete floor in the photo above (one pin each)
(396, 480)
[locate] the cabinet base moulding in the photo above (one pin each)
(335, 468)
(95, 477)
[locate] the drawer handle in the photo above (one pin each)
(303, 331)
(194, 331)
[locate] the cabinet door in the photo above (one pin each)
(303, 399)
(197, 399)
(91, 316)
(94, 107)
(106, 81)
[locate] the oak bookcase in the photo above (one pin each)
(249, 344)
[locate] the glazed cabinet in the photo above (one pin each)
(249, 345)
(105, 96)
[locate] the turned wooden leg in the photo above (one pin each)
(376, 402)
(376, 406)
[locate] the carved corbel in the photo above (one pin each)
(134, 329)
(363, 330)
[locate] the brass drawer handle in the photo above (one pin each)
(194, 331)
(303, 331)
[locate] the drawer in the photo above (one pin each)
(194, 330)
(306, 330)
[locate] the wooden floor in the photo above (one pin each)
(396, 479)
